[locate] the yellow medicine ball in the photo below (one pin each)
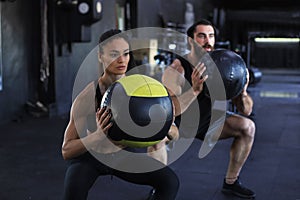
(141, 108)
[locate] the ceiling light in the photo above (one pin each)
(277, 40)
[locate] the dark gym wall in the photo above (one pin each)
(278, 56)
(280, 20)
(20, 50)
(67, 64)
(21, 58)
(174, 10)
(154, 12)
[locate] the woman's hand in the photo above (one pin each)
(103, 123)
(103, 116)
(101, 143)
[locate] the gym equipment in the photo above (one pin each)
(255, 75)
(141, 108)
(232, 69)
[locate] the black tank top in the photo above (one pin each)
(203, 108)
(98, 96)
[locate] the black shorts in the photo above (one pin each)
(205, 119)
(202, 130)
(187, 122)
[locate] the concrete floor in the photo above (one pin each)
(31, 166)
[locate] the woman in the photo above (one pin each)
(81, 137)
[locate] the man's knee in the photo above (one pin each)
(248, 127)
(238, 126)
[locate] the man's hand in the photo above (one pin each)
(198, 79)
(173, 78)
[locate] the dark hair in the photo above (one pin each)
(114, 34)
(110, 35)
(191, 30)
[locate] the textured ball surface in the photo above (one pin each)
(232, 69)
(142, 111)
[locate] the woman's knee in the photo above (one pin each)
(171, 180)
(79, 179)
(167, 187)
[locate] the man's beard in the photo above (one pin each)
(199, 51)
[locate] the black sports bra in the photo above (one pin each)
(98, 96)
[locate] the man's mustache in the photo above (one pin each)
(207, 46)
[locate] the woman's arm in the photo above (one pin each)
(73, 145)
(76, 140)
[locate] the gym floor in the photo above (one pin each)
(31, 166)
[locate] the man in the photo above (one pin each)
(236, 126)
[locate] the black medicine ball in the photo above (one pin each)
(232, 69)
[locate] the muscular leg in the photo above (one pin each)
(242, 130)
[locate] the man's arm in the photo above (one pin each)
(244, 102)
(173, 79)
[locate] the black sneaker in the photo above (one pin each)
(151, 195)
(238, 189)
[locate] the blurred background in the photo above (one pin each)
(43, 43)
